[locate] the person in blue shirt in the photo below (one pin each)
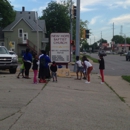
(27, 62)
(44, 60)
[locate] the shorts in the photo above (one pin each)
(80, 69)
(53, 74)
(21, 70)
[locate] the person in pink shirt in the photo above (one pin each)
(89, 68)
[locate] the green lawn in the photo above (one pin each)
(89, 57)
(127, 78)
(93, 59)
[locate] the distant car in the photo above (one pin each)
(108, 52)
(128, 56)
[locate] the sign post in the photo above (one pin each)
(60, 48)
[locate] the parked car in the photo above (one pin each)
(13, 53)
(8, 61)
(128, 56)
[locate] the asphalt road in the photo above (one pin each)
(115, 65)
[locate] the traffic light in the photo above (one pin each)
(87, 33)
(74, 12)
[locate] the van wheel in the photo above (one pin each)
(12, 71)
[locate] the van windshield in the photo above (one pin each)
(3, 50)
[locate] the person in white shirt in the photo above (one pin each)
(79, 68)
(89, 68)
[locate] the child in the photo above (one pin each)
(21, 69)
(101, 67)
(79, 68)
(84, 69)
(35, 68)
(53, 69)
(89, 68)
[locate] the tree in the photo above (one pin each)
(128, 40)
(56, 17)
(84, 45)
(101, 41)
(83, 26)
(118, 39)
(7, 14)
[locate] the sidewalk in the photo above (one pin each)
(66, 105)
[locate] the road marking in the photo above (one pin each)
(112, 68)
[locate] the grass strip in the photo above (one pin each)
(121, 98)
(126, 78)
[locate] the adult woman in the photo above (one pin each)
(89, 68)
(101, 67)
(44, 60)
(27, 62)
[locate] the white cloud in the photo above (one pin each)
(39, 10)
(94, 20)
(123, 19)
(120, 4)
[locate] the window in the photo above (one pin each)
(20, 33)
(3, 50)
(2, 44)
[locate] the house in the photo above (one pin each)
(25, 31)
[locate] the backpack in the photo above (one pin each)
(42, 61)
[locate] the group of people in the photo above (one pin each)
(40, 63)
(84, 67)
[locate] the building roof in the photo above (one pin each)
(30, 18)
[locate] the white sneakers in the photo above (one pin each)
(102, 82)
(87, 82)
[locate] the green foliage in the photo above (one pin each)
(6, 13)
(84, 45)
(93, 59)
(118, 39)
(127, 78)
(57, 19)
(101, 41)
(128, 40)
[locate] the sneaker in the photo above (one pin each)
(87, 82)
(40, 81)
(44, 81)
(102, 82)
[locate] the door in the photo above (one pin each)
(25, 37)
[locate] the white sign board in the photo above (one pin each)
(60, 47)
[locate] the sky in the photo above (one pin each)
(105, 17)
